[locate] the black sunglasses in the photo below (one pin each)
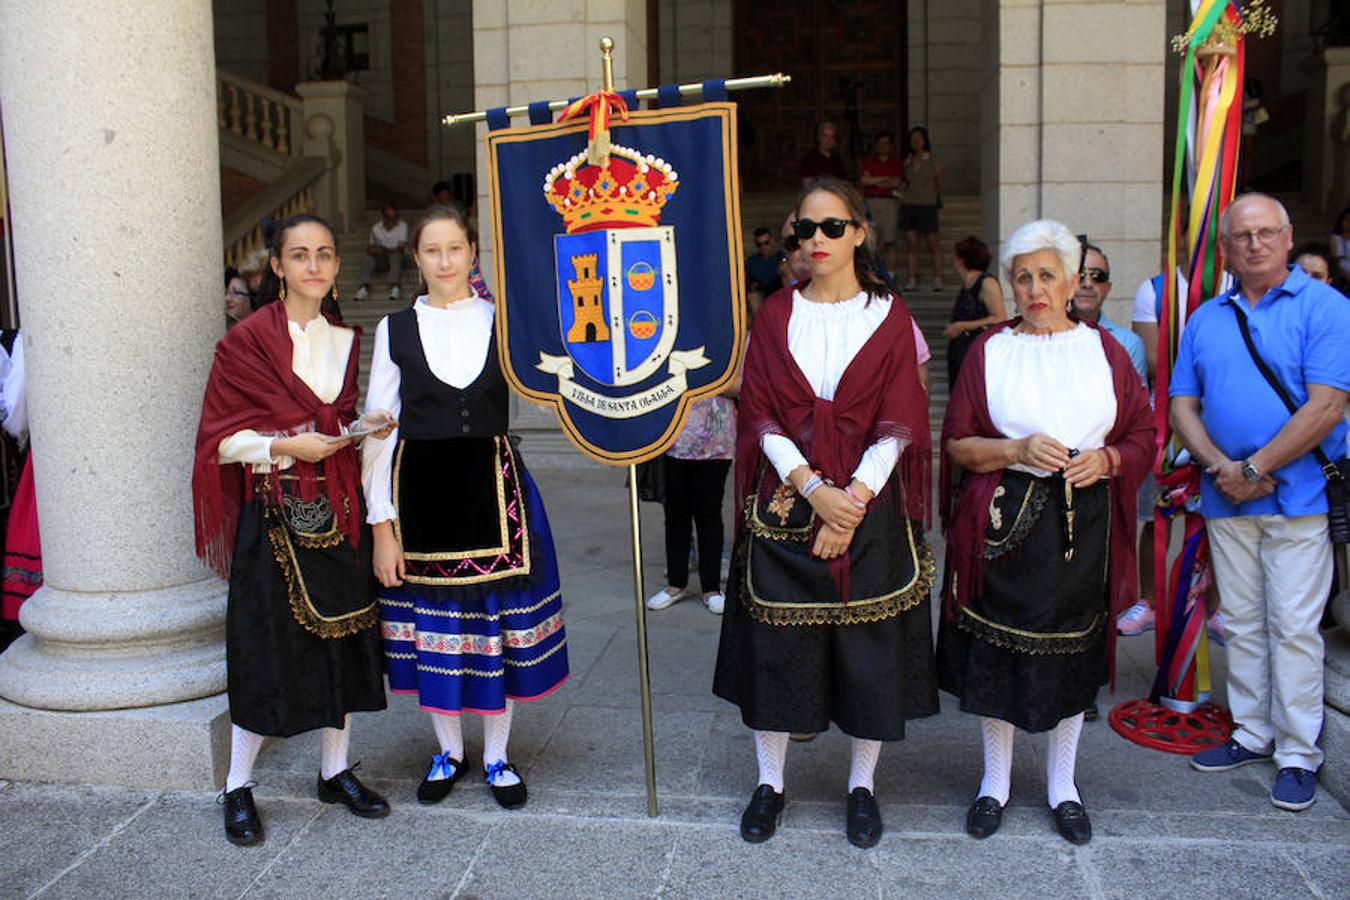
(1099, 276)
(833, 228)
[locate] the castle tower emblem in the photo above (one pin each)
(588, 326)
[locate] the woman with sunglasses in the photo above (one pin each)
(1050, 425)
(827, 602)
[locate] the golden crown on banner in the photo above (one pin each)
(628, 191)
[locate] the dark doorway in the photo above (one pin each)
(847, 65)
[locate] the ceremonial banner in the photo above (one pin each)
(620, 285)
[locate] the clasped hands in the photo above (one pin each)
(313, 447)
(1044, 452)
(1230, 481)
(840, 516)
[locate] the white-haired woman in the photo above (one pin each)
(1050, 428)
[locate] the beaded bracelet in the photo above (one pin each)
(857, 501)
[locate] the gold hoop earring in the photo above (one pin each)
(281, 294)
(335, 292)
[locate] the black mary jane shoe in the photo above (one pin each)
(435, 790)
(346, 788)
(984, 817)
(508, 796)
(242, 825)
(863, 822)
(1072, 822)
(760, 819)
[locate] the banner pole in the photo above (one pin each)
(644, 677)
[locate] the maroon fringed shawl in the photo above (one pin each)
(878, 397)
(965, 514)
(252, 385)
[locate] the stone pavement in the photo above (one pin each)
(1160, 828)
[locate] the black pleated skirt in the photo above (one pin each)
(284, 678)
(1031, 649)
(794, 658)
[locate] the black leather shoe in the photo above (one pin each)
(760, 819)
(983, 817)
(435, 790)
(863, 823)
(344, 787)
(1072, 822)
(1091, 713)
(242, 825)
(508, 796)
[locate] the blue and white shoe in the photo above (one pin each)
(1226, 756)
(1295, 789)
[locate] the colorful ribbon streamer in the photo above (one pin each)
(599, 105)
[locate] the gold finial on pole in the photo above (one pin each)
(607, 57)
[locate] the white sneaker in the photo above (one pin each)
(715, 603)
(668, 596)
(911, 285)
(394, 292)
(1135, 620)
(363, 293)
(937, 284)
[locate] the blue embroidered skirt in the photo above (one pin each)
(472, 626)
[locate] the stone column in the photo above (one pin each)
(525, 51)
(1072, 129)
(114, 187)
(1326, 148)
(343, 104)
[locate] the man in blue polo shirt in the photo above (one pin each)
(1263, 493)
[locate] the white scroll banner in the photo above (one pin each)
(634, 405)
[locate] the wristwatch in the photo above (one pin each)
(1250, 472)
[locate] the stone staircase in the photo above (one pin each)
(960, 217)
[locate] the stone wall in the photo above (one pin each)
(696, 41)
(944, 83)
(1072, 129)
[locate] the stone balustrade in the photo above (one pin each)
(258, 113)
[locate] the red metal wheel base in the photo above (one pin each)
(1159, 728)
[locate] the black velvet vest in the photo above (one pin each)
(432, 409)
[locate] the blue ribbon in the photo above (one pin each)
(443, 765)
(715, 90)
(497, 118)
(491, 773)
(630, 97)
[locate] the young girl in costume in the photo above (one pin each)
(278, 512)
(827, 602)
(471, 607)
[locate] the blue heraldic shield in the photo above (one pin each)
(619, 284)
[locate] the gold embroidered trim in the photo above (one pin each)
(855, 612)
(1033, 503)
(1034, 643)
(297, 594)
(510, 611)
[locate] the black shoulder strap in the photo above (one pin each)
(1273, 381)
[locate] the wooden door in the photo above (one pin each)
(847, 64)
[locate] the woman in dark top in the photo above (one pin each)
(979, 305)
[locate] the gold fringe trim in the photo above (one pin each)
(760, 528)
(862, 612)
(302, 610)
(1031, 643)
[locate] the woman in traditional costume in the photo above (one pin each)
(278, 512)
(471, 603)
(1051, 427)
(827, 616)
